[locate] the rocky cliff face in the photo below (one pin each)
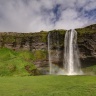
(87, 47)
(38, 43)
(23, 41)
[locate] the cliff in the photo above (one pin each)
(87, 48)
(37, 44)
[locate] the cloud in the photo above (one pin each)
(37, 15)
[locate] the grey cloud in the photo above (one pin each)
(37, 15)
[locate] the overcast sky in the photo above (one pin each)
(37, 15)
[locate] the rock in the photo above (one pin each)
(38, 41)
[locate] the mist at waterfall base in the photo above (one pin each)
(71, 63)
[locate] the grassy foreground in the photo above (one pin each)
(48, 86)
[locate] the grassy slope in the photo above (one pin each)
(87, 30)
(48, 86)
(91, 70)
(14, 62)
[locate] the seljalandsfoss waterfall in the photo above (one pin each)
(68, 63)
(71, 58)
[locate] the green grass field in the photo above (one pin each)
(48, 86)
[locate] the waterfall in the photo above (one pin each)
(71, 58)
(71, 63)
(49, 53)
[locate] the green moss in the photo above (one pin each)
(91, 70)
(44, 37)
(60, 31)
(40, 55)
(87, 30)
(14, 62)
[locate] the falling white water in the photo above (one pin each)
(71, 58)
(49, 53)
(71, 64)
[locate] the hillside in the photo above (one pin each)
(16, 63)
(27, 53)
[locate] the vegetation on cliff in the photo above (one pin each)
(21, 52)
(87, 30)
(15, 63)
